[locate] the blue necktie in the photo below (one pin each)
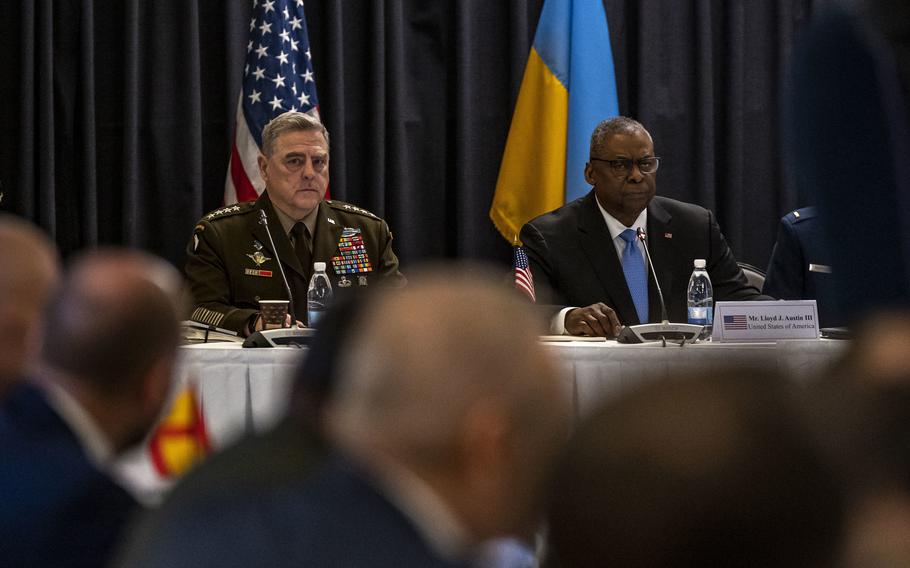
(633, 267)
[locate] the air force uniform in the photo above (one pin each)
(800, 266)
(231, 264)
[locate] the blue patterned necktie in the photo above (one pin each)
(633, 267)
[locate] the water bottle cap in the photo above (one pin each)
(320, 266)
(700, 263)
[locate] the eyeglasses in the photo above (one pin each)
(623, 166)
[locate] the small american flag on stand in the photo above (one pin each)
(524, 280)
(277, 77)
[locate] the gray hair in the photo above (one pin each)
(291, 121)
(613, 126)
(415, 367)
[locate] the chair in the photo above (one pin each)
(755, 276)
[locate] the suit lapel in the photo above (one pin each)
(285, 252)
(660, 243)
(595, 241)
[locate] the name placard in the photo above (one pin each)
(765, 320)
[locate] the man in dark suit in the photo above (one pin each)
(800, 265)
(231, 263)
(445, 424)
(109, 345)
(578, 251)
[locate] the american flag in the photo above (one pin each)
(735, 323)
(524, 280)
(277, 77)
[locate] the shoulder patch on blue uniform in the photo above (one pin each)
(800, 215)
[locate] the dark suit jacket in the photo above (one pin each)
(800, 243)
(227, 278)
(56, 508)
(333, 517)
(573, 259)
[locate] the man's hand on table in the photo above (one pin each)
(594, 320)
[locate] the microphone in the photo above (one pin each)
(663, 331)
(283, 336)
(640, 233)
(264, 221)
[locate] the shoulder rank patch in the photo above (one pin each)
(229, 210)
(341, 206)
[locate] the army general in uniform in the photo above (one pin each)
(231, 263)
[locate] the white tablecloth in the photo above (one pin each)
(245, 390)
(597, 370)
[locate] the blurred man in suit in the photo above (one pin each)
(697, 471)
(578, 252)
(445, 423)
(29, 270)
(800, 265)
(847, 138)
(259, 465)
(452, 414)
(105, 372)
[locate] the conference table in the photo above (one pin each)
(240, 391)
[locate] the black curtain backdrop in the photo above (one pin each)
(117, 114)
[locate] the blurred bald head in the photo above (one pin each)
(444, 373)
(695, 471)
(116, 312)
(29, 268)
(111, 339)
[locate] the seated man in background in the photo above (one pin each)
(697, 471)
(108, 349)
(29, 268)
(800, 266)
(445, 423)
(586, 256)
(231, 263)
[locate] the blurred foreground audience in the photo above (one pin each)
(29, 270)
(444, 425)
(274, 461)
(719, 470)
(104, 373)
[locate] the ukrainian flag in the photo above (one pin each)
(569, 86)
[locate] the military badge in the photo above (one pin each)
(352, 255)
(362, 281)
(259, 258)
(344, 282)
(256, 272)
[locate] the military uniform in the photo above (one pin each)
(800, 266)
(231, 264)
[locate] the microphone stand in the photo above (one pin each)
(663, 331)
(292, 336)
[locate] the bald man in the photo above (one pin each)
(104, 373)
(452, 411)
(29, 269)
(446, 421)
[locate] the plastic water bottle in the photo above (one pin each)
(319, 295)
(700, 298)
